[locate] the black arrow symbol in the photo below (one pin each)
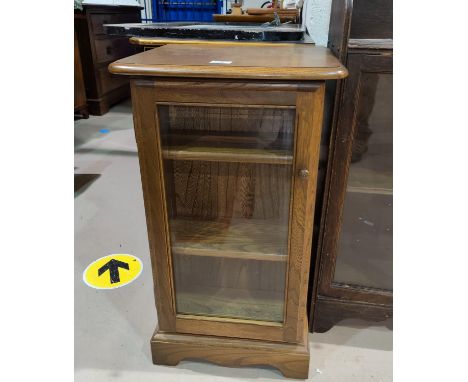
(113, 267)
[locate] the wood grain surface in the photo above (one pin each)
(358, 43)
(214, 191)
(234, 154)
(97, 50)
(231, 273)
(79, 86)
(339, 181)
(372, 19)
(228, 302)
(242, 238)
(225, 149)
(246, 18)
(226, 92)
(151, 169)
(250, 288)
(291, 359)
(362, 39)
(159, 41)
(330, 311)
(309, 127)
(283, 62)
(280, 12)
(235, 133)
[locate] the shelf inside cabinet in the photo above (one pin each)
(228, 148)
(231, 302)
(243, 239)
(368, 181)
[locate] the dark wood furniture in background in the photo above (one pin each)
(98, 50)
(229, 161)
(353, 267)
(81, 108)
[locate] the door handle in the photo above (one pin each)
(303, 173)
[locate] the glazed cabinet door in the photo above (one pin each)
(229, 172)
(356, 278)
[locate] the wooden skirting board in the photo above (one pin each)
(292, 360)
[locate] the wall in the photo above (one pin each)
(251, 3)
(317, 19)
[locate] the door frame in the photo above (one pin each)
(357, 64)
(308, 98)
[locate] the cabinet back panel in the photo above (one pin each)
(211, 190)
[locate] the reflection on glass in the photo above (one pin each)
(228, 182)
(365, 253)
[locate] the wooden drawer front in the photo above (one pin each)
(97, 20)
(112, 49)
(108, 81)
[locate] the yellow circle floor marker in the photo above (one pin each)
(112, 271)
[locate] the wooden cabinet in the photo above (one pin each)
(98, 50)
(229, 170)
(354, 266)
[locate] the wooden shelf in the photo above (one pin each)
(227, 148)
(366, 242)
(242, 239)
(368, 181)
(231, 303)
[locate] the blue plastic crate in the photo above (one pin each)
(185, 10)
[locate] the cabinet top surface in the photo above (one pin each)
(294, 62)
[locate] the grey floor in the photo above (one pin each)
(113, 327)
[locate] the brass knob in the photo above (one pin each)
(303, 173)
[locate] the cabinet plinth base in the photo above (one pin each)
(291, 359)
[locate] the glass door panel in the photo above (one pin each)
(365, 246)
(228, 177)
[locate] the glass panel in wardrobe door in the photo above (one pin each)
(228, 177)
(365, 252)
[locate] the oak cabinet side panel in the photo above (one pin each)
(149, 153)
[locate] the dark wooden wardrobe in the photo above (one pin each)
(353, 275)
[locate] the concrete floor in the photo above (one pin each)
(113, 327)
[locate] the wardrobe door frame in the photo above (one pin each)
(357, 64)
